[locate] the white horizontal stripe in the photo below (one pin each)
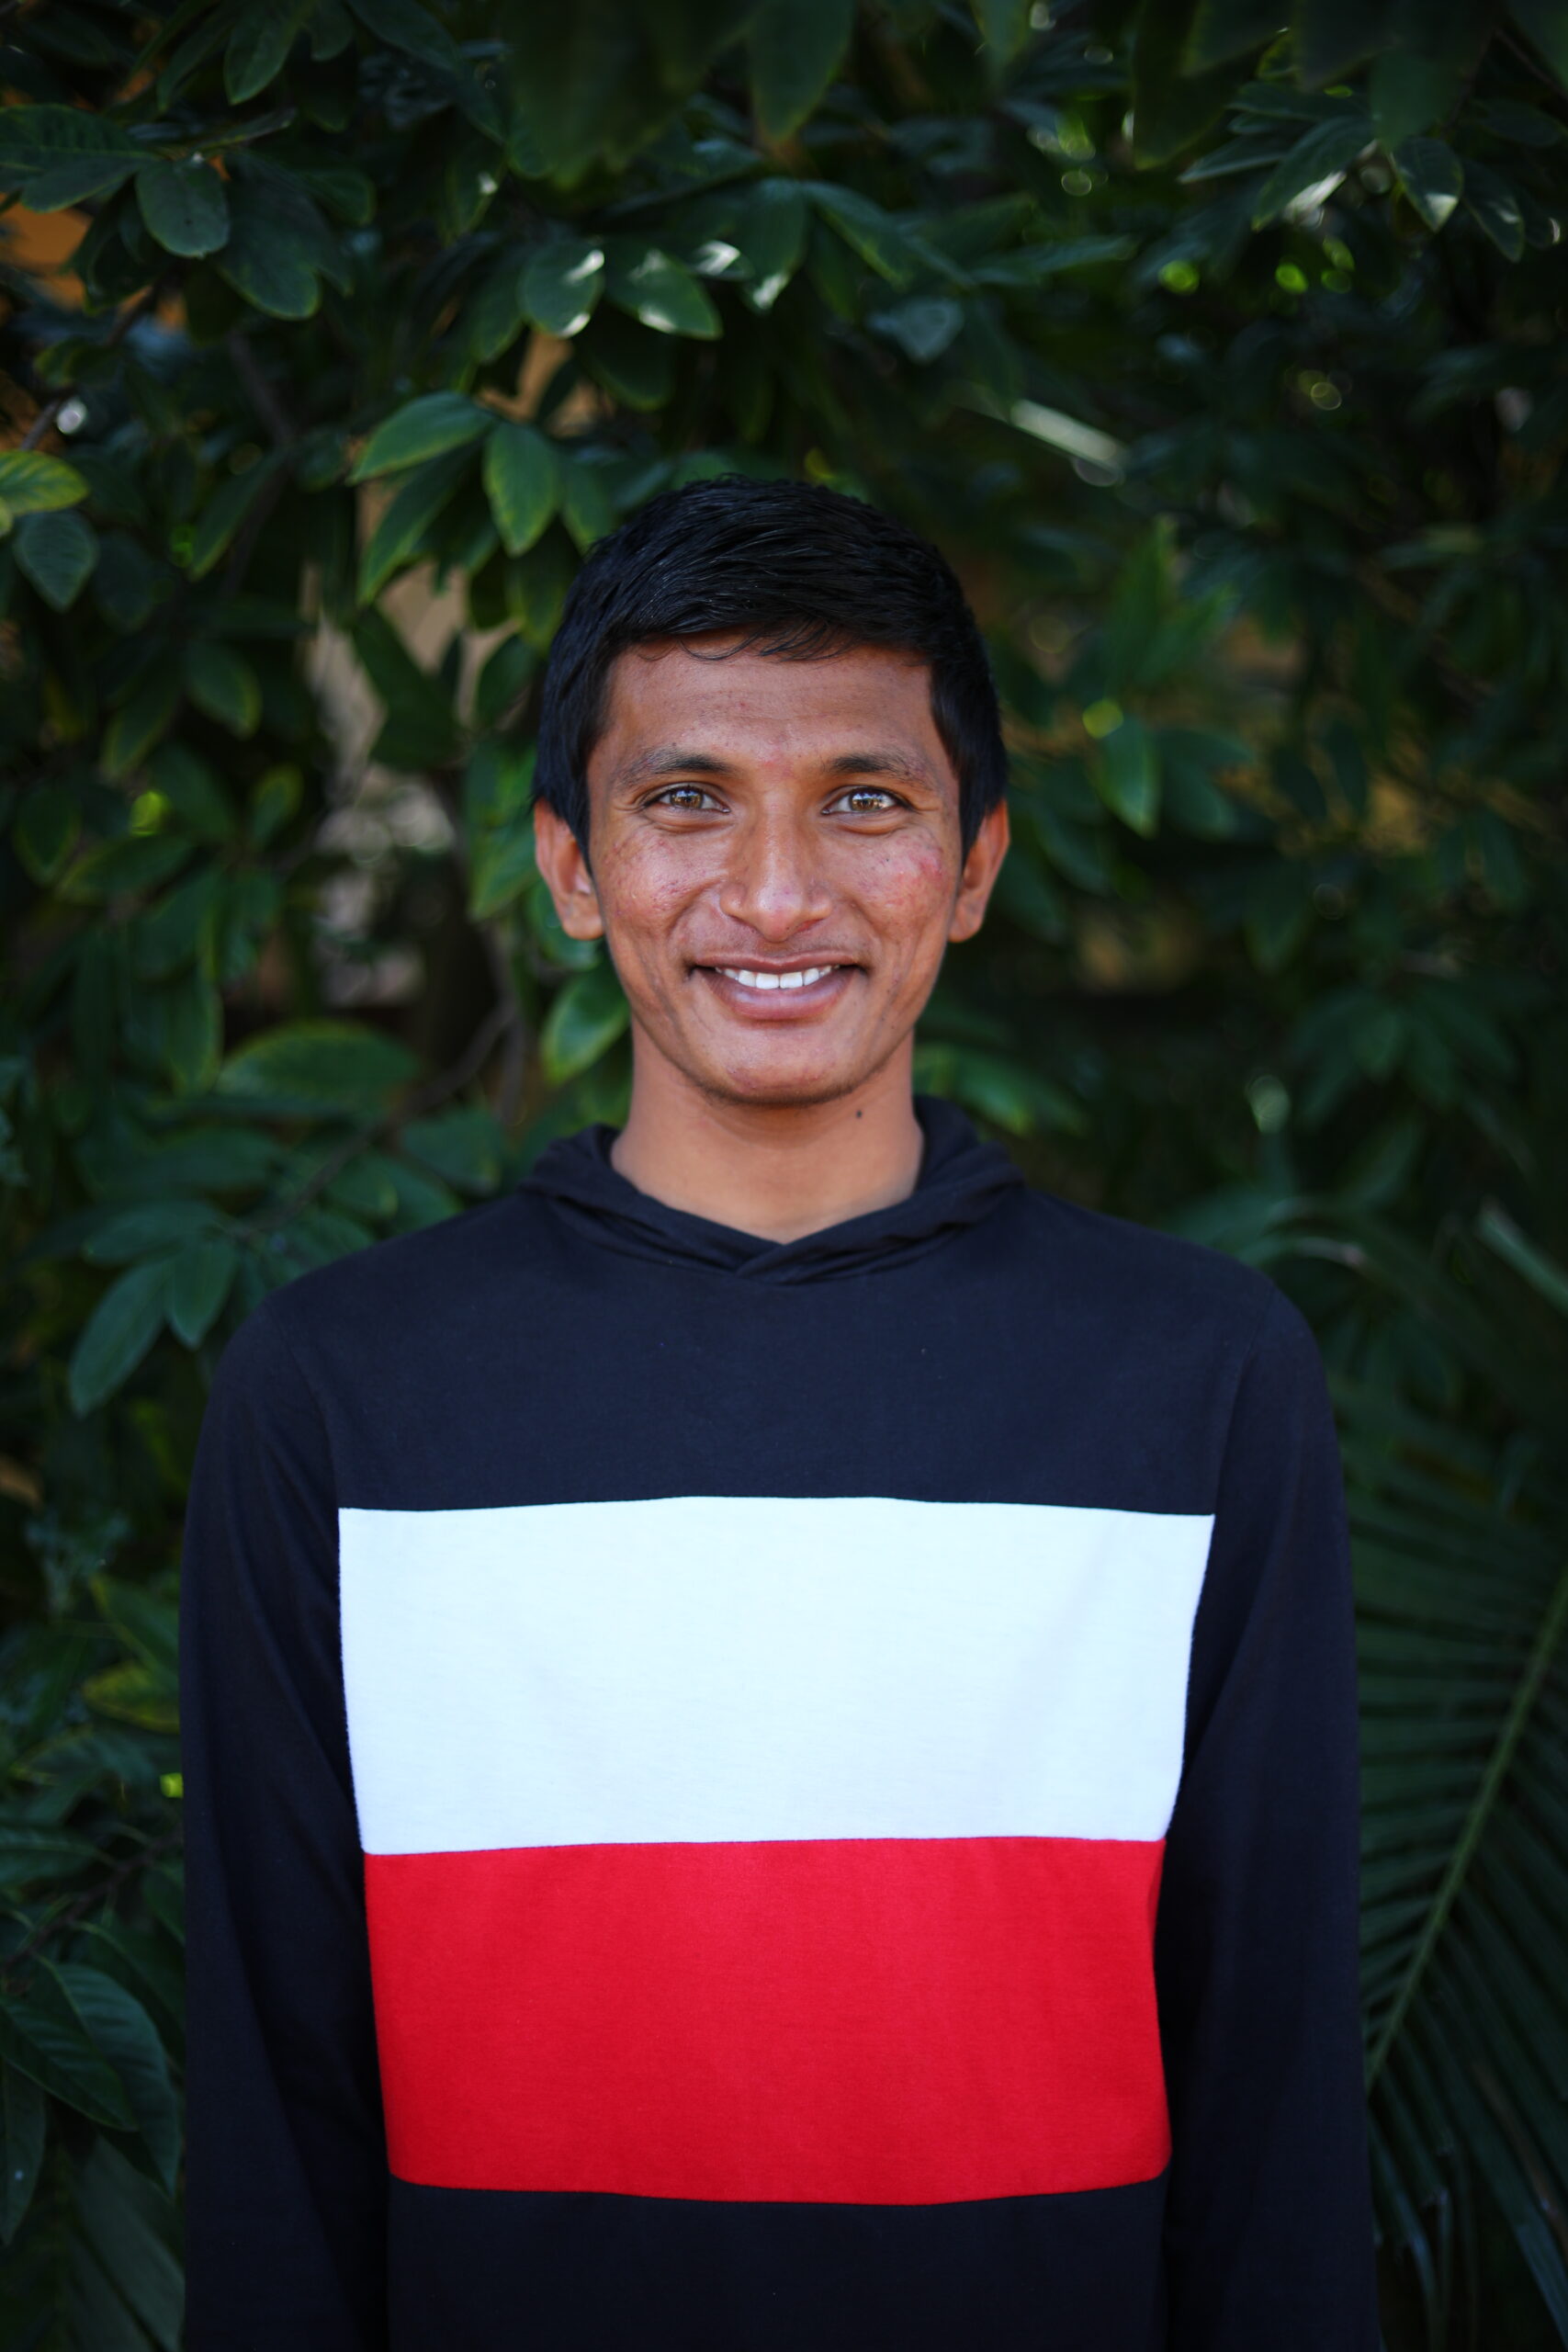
(717, 1667)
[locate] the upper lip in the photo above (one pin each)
(769, 963)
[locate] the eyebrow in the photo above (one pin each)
(669, 759)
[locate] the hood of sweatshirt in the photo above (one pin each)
(961, 1180)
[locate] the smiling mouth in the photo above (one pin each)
(763, 980)
(803, 985)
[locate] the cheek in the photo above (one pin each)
(906, 886)
(643, 889)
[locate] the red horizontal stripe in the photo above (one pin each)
(867, 2021)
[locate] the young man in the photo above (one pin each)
(770, 1726)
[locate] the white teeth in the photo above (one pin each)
(783, 980)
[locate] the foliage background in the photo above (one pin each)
(1225, 354)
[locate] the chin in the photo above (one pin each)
(781, 1086)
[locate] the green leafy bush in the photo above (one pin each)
(1226, 358)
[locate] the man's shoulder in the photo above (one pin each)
(412, 1282)
(1140, 1276)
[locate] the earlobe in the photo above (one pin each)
(564, 865)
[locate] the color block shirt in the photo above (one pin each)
(773, 1797)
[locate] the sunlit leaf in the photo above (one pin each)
(561, 284)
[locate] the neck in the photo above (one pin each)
(777, 1171)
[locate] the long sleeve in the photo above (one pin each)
(286, 2171)
(1269, 2234)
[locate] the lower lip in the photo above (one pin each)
(779, 1004)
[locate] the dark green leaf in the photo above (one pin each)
(416, 703)
(495, 317)
(420, 429)
(1278, 916)
(274, 802)
(80, 181)
(502, 866)
(28, 1856)
(795, 46)
(1432, 177)
(185, 206)
(922, 326)
(505, 676)
(770, 231)
(149, 1229)
(522, 483)
(265, 262)
(1500, 1233)
(37, 139)
(127, 584)
(465, 1146)
(43, 2036)
(1492, 204)
(126, 2035)
(45, 830)
(224, 512)
(1331, 36)
(57, 553)
(637, 367)
(585, 504)
(583, 1023)
(1409, 93)
(665, 296)
(264, 31)
(318, 1065)
(1128, 775)
(1032, 264)
(143, 721)
(123, 2221)
(402, 23)
(200, 1280)
(403, 528)
(1170, 107)
(866, 229)
(1224, 30)
(562, 284)
(193, 792)
(117, 1335)
(222, 683)
(1314, 163)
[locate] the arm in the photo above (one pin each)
(285, 2168)
(1269, 2237)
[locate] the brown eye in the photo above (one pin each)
(866, 800)
(684, 795)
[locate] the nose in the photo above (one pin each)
(774, 884)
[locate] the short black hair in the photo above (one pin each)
(797, 570)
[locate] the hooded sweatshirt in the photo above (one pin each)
(773, 1797)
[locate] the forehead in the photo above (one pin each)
(749, 707)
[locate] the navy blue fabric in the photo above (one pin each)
(979, 1342)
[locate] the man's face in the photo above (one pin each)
(777, 864)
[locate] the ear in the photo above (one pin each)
(562, 863)
(981, 867)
